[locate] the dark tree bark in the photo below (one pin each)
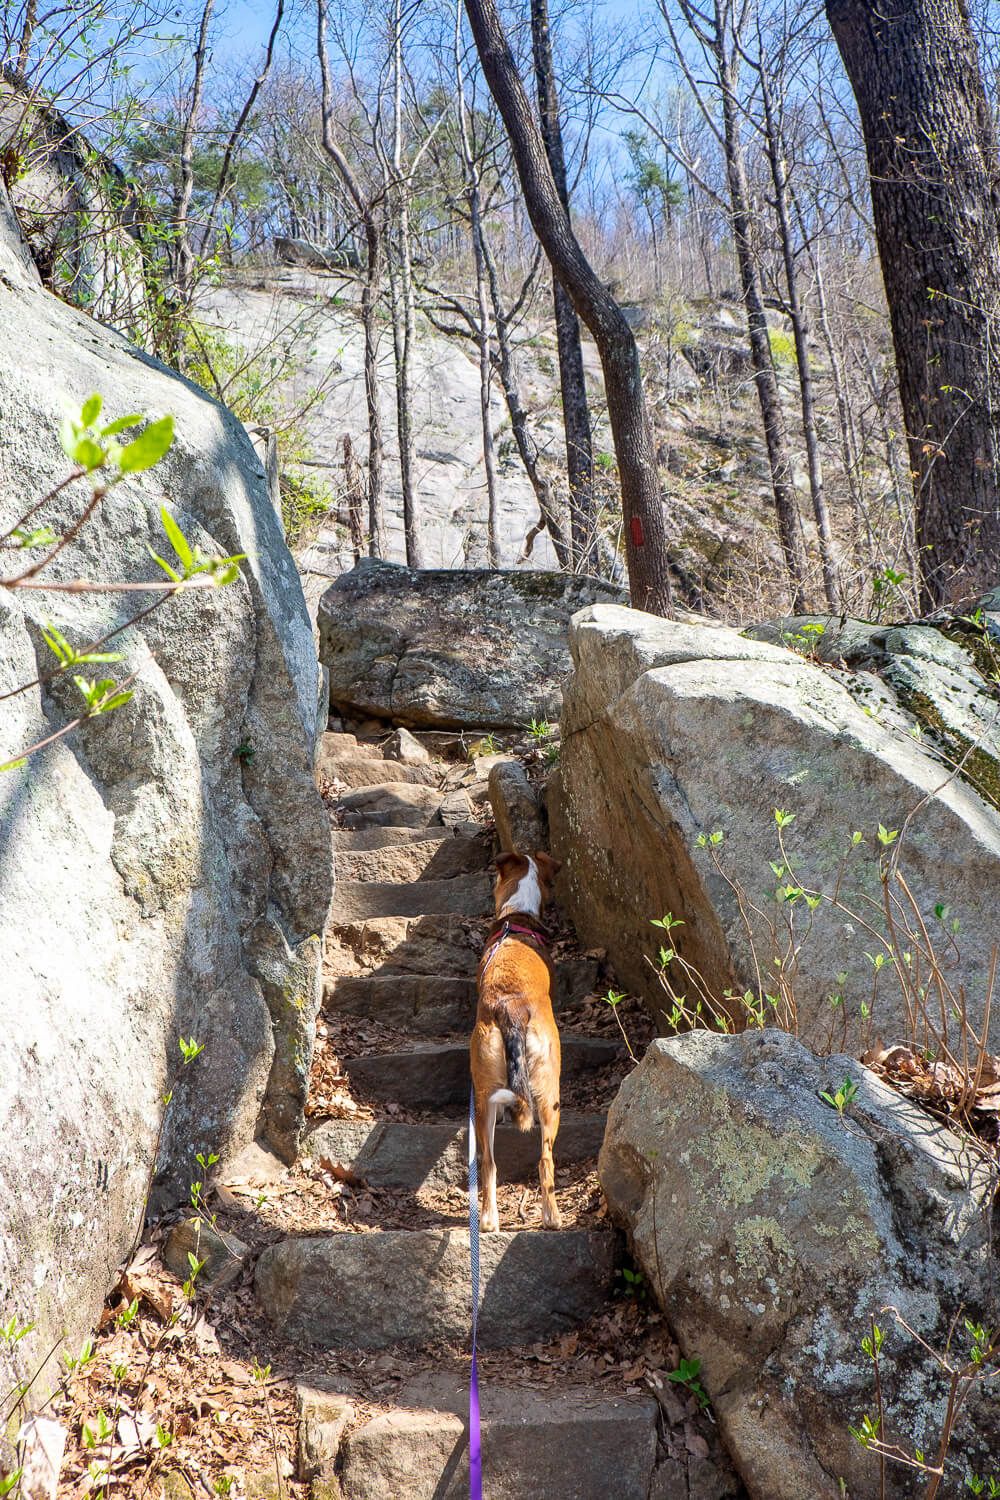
(642, 508)
(572, 381)
(935, 181)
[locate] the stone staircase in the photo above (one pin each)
(412, 904)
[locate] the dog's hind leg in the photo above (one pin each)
(548, 1119)
(486, 1113)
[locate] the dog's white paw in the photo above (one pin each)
(490, 1223)
(551, 1218)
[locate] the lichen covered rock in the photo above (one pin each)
(451, 649)
(773, 1230)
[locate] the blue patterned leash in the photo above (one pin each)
(475, 1442)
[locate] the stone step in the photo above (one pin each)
(388, 1154)
(439, 944)
(416, 859)
(364, 840)
(401, 804)
(411, 1286)
(429, 1005)
(357, 900)
(360, 771)
(568, 1444)
(436, 1077)
(339, 743)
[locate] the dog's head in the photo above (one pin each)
(524, 882)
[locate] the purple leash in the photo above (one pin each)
(475, 1445)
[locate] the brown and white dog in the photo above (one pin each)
(515, 1044)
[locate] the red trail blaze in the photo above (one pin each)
(638, 536)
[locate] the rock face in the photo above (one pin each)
(773, 1231)
(674, 731)
(165, 871)
(80, 215)
(451, 649)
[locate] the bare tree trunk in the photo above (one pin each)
(403, 316)
(789, 522)
(526, 446)
(642, 506)
(572, 379)
(244, 115)
(182, 201)
(800, 332)
(27, 35)
(472, 196)
(355, 492)
(370, 292)
(935, 183)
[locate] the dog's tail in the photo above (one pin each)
(517, 1095)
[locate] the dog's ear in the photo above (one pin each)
(549, 867)
(505, 863)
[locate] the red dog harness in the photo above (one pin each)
(512, 929)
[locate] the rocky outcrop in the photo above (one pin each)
(79, 215)
(672, 732)
(774, 1229)
(165, 870)
(451, 649)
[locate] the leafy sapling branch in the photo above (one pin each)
(102, 460)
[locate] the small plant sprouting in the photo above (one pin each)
(86, 1356)
(540, 729)
(614, 998)
(841, 1098)
(987, 1484)
(190, 1049)
(688, 1375)
(634, 1283)
(867, 1433)
(9, 1482)
(196, 1267)
(704, 840)
(127, 1315)
(13, 1332)
(99, 1432)
(260, 1373)
(223, 1485)
(163, 1437)
(245, 753)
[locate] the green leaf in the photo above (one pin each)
(176, 538)
(91, 410)
(148, 448)
(88, 454)
(120, 424)
(171, 574)
(12, 765)
(41, 536)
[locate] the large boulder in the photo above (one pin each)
(672, 732)
(165, 870)
(773, 1229)
(451, 649)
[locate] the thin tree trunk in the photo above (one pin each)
(642, 507)
(572, 379)
(935, 183)
(355, 492)
(848, 445)
(370, 292)
(182, 202)
(800, 333)
(526, 446)
(483, 316)
(403, 316)
(789, 522)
